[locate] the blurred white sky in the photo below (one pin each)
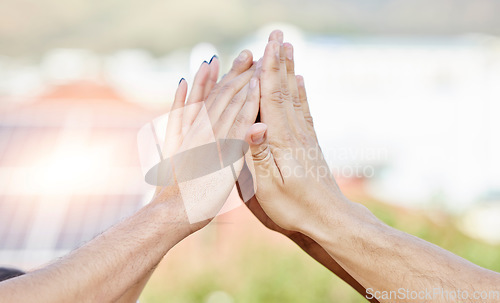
(431, 105)
(422, 112)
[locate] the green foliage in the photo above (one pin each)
(276, 271)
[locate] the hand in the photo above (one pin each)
(245, 180)
(291, 172)
(198, 133)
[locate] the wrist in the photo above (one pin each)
(325, 209)
(338, 220)
(168, 208)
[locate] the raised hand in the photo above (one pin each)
(201, 132)
(291, 172)
(301, 107)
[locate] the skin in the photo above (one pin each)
(299, 195)
(296, 195)
(301, 110)
(204, 81)
(116, 265)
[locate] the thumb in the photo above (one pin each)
(257, 139)
(263, 160)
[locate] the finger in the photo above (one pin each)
(276, 35)
(305, 106)
(180, 95)
(239, 125)
(258, 68)
(193, 104)
(214, 74)
(258, 72)
(273, 102)
(292, 85)
(285, 90)
(174, 124)
(228, 116)
(226, 94)
(199, 83)
(241, 64)
(263, 160)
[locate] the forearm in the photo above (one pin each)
(132, 294)
(106, 267)
(384, 259)
(321, 255)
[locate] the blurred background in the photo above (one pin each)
(405, 97)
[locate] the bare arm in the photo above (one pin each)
(385, 259)
(307, 244)
(106, 267)
(117, 264)
(321, 255)
(297, 90)
(297, 192)
(203, 83)
(132, 295)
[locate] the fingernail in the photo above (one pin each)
(280, 37)
(276, 50)
(259, 64)
(205, 61)
(289, 51)
(182, 79)
(243, 56)
(213, 57)
(258, 138)
(253, 83)
(300, 80)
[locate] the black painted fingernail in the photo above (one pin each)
(205, 62)
(182, 79)
(214, 56)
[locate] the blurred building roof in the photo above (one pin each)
(69, 169)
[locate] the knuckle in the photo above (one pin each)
(277, 97)
(296, 103)
(273, 68)
(261, 154)
(285, 92)
(308, 118)
(282, 59)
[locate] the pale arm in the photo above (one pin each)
(307, 244)
(385, 259)
(116, 264)
(106, 267)
(297, 191)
